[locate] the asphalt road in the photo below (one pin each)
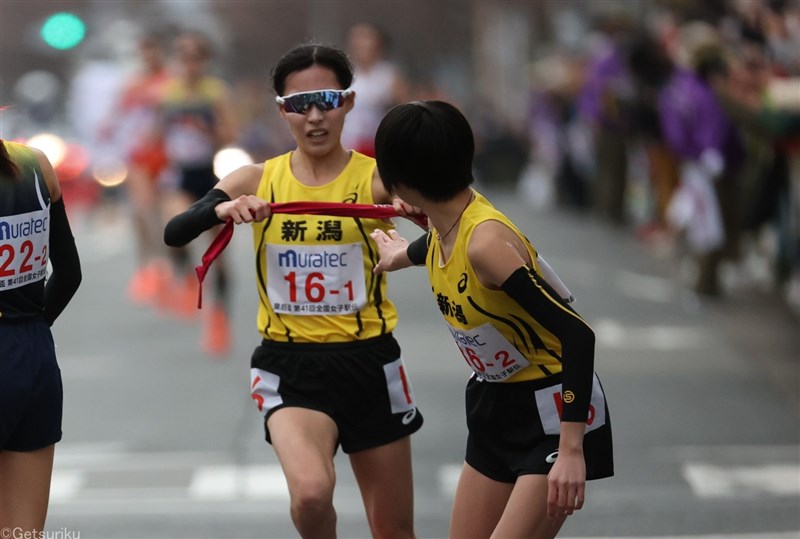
(161, 441)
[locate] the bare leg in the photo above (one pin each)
(387, 488)
(479, 503)
(25, 488)
(181, 298)
(304, 441)
(486, 508)
(143, 197)
(525, 515)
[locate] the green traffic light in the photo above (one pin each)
(63, 31)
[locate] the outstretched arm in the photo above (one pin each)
(232, 198)
(397, 253)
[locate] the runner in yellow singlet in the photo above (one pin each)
(328, 372)
(538, 422)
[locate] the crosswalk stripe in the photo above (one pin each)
(612, 334)
(208, 477)
(712, 481)
(230, 482)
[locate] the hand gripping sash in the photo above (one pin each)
(339, 209)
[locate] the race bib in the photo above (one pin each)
(488, 353)
(316, 279)
(23, 248)
(549, 402)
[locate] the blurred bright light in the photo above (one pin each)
(74, 164)
(229, 159)
(37, 86)
(110, 172)
(63, 30)
(52, 145)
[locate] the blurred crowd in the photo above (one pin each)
(685, 130)
(680, 124)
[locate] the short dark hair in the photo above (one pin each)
(427, 146)
(305, 56)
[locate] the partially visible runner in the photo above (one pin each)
(377, 82)
(536, 413)
(135, 126)
(197, 121)
(33, 229)
(328, 372)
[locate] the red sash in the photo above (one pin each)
(340, 209)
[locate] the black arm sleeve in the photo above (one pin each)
(66, 277)
(201, 216)
(539, 299)
(417, 250)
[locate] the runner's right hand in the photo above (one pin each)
(243, 209)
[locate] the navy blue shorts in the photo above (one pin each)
(363, 386)
(514, 429)
(31, 395)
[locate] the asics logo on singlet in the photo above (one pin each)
(409, 417)
(462, 283)
(551, 458)
(351, 198)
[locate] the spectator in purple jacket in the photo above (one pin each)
(695, 127)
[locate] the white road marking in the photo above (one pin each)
(612, 334)
(712, 481)
(231, 482)
(118, 457)
(209, 483)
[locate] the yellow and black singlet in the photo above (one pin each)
(500, 341)
(190, 120)
(314, 272)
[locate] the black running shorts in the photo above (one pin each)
(31, 395)
(362, 385)
(514, 429)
